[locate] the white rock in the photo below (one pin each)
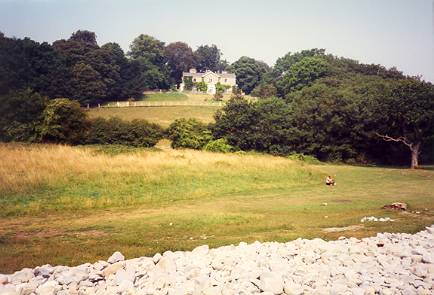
(3, 279)
(8, 290)
(271, 282)
(201, 250)
(48, 288)
(116, 257)
(22, 276)
(291, 288)
(215, 290)
(156, 258)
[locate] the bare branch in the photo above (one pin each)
(397, 139)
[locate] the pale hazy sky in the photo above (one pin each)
(390, 32)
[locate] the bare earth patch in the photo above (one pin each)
(341, 229)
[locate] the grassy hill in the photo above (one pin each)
(164, 115)
(58, 200)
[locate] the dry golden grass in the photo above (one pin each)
(24, 167)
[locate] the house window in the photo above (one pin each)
(226, 80)
(210, 80)
(194, 80)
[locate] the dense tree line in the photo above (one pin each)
(354, 119)
(309, 102)
(80, 69)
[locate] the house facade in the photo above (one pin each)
(211, 79)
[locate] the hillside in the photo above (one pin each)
(57, 200)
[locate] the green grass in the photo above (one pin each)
(165, 96)
(56, 201)
(164, 115)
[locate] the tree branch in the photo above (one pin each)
(397, 139)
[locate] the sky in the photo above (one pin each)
(397, 33)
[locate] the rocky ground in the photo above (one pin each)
(385, 264)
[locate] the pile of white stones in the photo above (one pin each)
(375, 219)
(385, 264)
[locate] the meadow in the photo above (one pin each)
(164, 115)
(70, 205)
(159, 115)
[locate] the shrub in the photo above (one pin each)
(304, 158)
(63, 122)
(220, 90)
(201, 86)
(188, 83)
(20, 115)
(137, 133)
(219, 145)
(188, 133)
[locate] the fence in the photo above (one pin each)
(126, 104)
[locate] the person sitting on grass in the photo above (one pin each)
(329, 180)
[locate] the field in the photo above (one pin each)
(70, 205)
(164, 115)
(160, 115)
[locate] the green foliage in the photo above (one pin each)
(302, 74)
(263, 126)
(201, 86)
(137, 133)
(180, 58)
(188, 133)
(63, 122)
(20, 115)
(304, 158)
(236, 93)
(188, 83)
(219, 145)
(249, 72)
(148, 49)
(221, 87)
(220, 90)
(264, 90)
(207, 58)
(84, 36)
(87, 83)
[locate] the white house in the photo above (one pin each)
(211, 79)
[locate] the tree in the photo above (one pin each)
(133, 81)
(249, 72)
(21, 115)
(148, 49)
(284, 64)
(207, 58)
(264, 90)
(220, 89)
(64, 122)
(87, 84)
(189, 133)
(262, 126)
(188, 83)
(328, 122)
(201, 86)
(149, 52)
(108, 61)
(85, 37)
(302, 74)
(180, 58)
(405, 115)
(139, 133)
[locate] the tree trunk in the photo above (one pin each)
(414, 148)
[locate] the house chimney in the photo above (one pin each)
(193, 71)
